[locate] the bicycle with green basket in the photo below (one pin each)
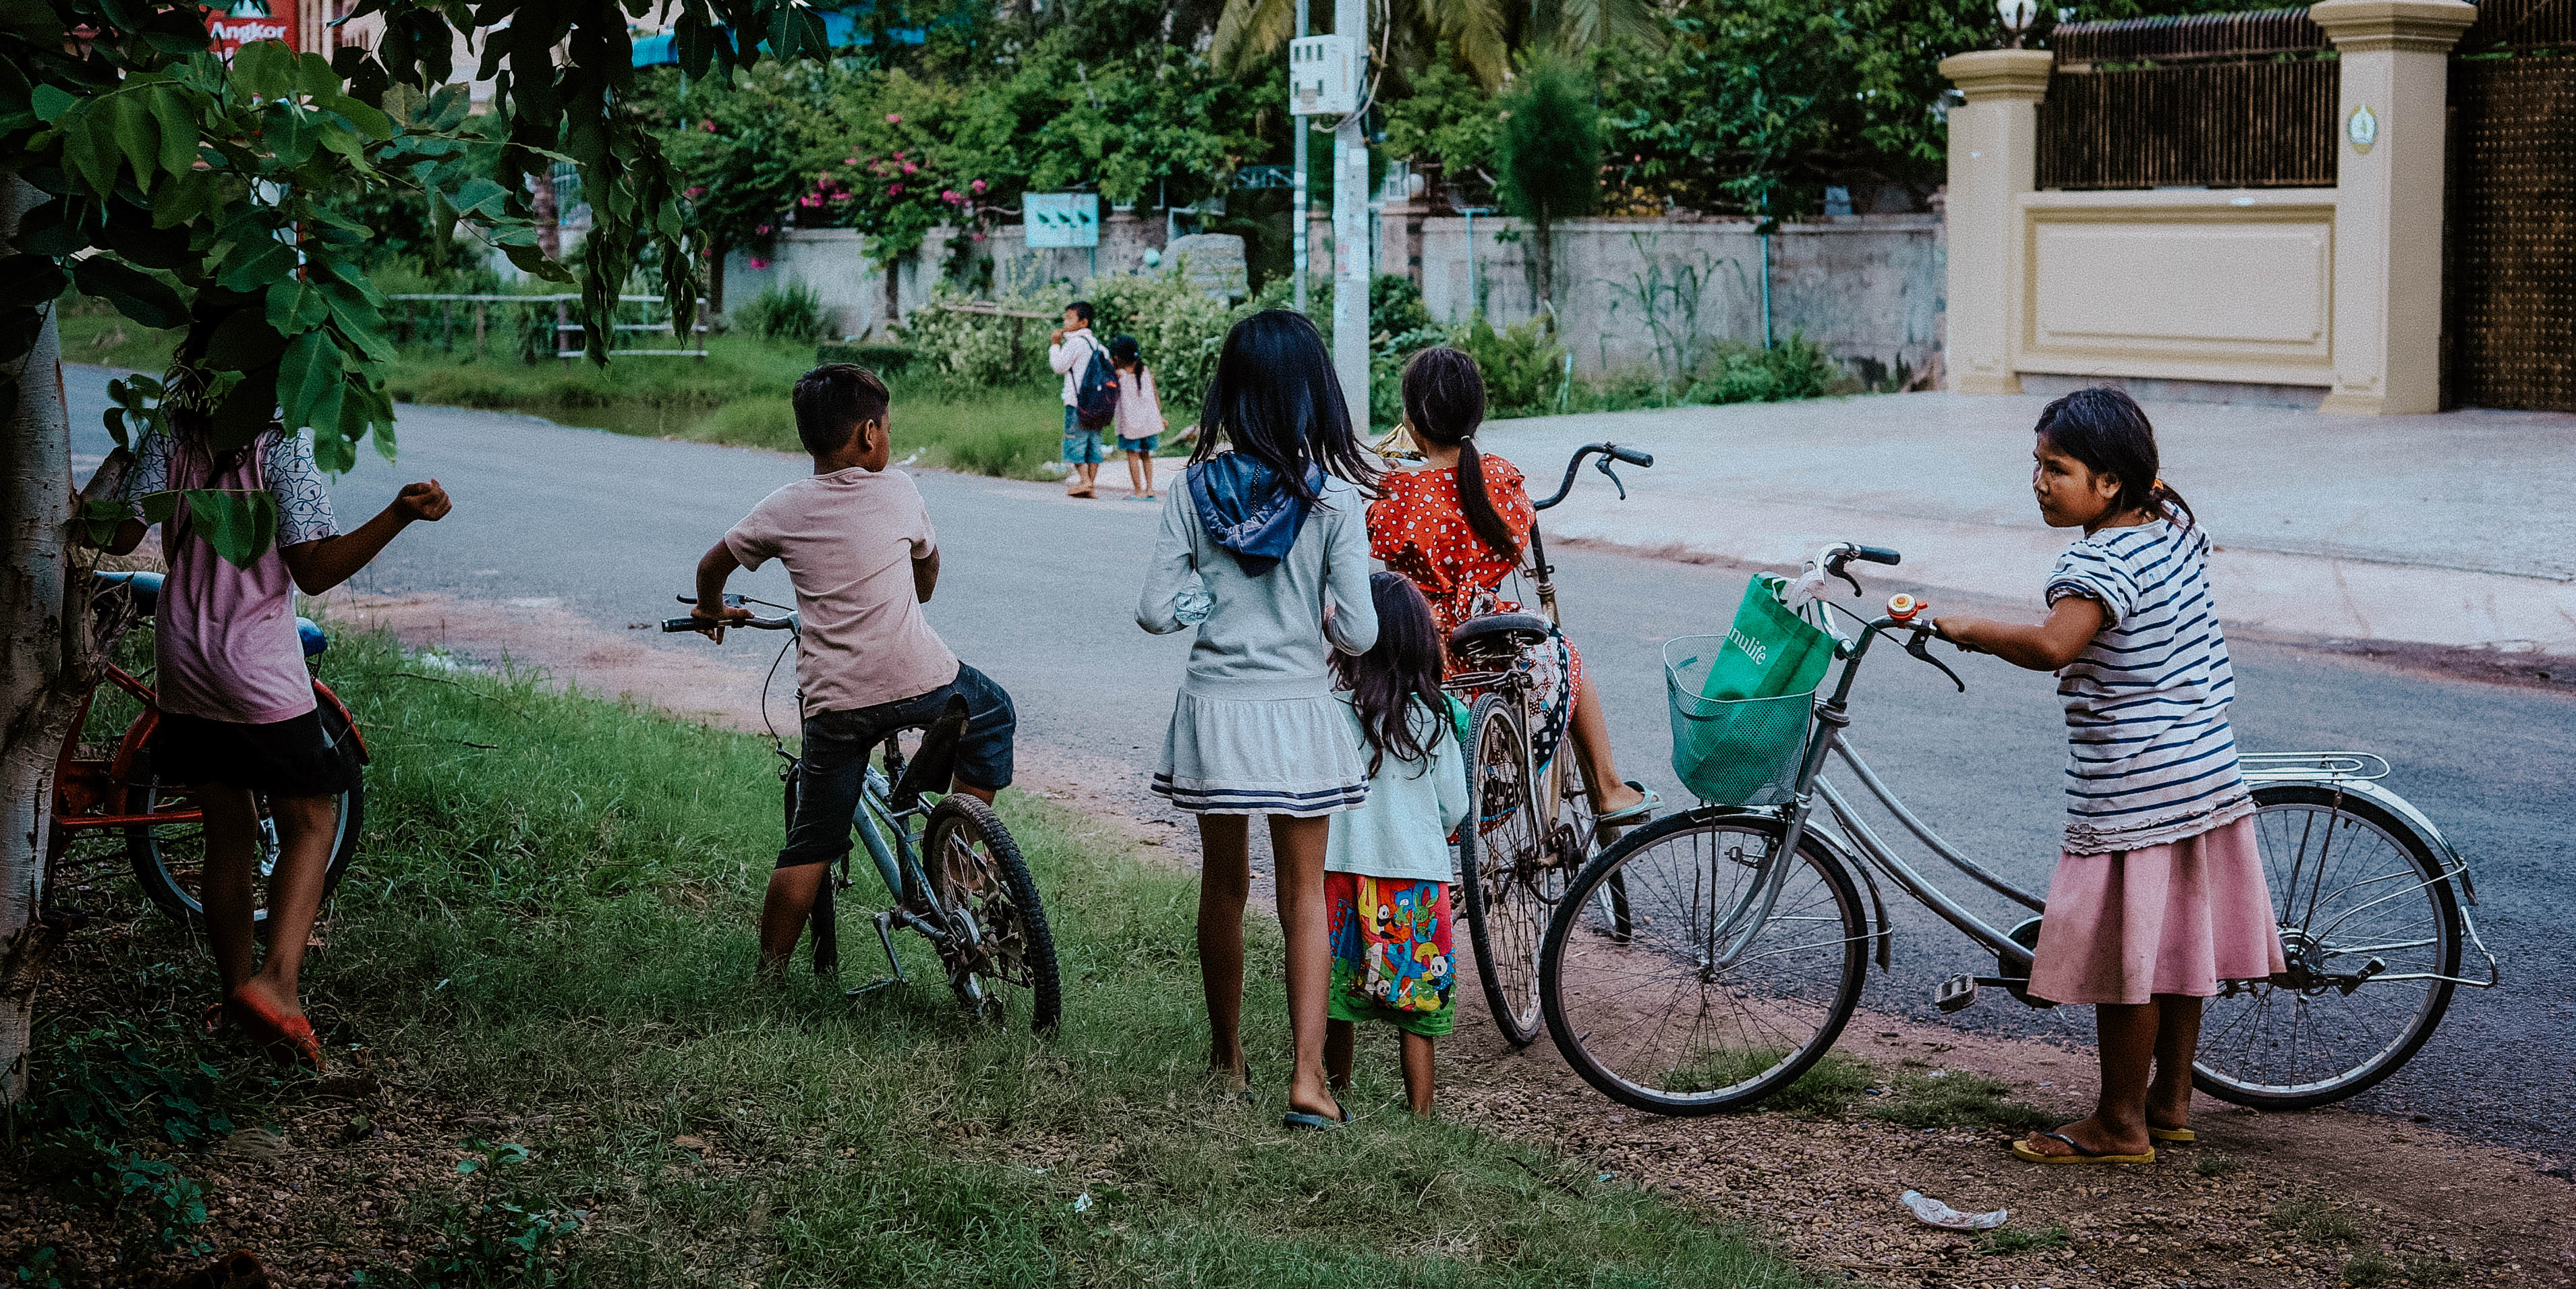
(1751, 919)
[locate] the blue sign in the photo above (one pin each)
(1061, 218)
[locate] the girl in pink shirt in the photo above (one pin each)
(238, 723)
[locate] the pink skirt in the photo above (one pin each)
(2170, 919)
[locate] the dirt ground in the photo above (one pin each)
(2321, 1198)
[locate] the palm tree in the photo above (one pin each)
(1483, 35)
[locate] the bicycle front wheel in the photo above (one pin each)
(170, 859)
(1676, 1013)
(1514, 876)
(2372, 936)
(998, 942)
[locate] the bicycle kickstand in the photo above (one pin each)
(885, 936)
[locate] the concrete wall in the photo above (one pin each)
(1868, 288)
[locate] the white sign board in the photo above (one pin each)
(1323, 76)
(1061, 218)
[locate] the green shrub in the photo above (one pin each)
(790, 311)
(1739, 373)
(969, 351)
(1524, 365)
(1178, 327)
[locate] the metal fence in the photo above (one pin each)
(2217, 100)
(426, 317)
(2510, 266)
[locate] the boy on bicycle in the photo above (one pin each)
(858, 546)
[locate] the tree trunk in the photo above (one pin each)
(715, 279)
(1543, 251)
(541, 206)
(40, 655)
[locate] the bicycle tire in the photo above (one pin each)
(1507, 881)
(1012, 890)
(1599, 1027)
(2282, 808)
(169, 859)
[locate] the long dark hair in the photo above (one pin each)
(2106, 430)
(1275, 396)
(1444, 401)
(1125, 352)
(1402, 668)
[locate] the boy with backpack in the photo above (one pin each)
(1090, 395)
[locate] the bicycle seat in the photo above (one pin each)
(145, 588)
(310, 633)
(931, 767)
(1509, 632)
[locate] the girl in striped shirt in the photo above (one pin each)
(2159, 891)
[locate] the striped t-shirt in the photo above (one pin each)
(2151, 757)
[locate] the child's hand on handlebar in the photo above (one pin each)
(715, 621)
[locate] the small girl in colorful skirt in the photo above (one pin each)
(1386, 868)
(2159, 893)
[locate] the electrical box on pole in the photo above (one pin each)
(1323, 76)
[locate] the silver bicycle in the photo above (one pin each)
(1749, 929)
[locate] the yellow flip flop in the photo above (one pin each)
(2021, 1150)
(2176, 1136)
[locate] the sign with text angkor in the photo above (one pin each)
(248, 21)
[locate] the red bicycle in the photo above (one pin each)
(165, 830)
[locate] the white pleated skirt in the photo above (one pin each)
(1278, 756)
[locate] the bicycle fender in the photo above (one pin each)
(322, 693)
(2406, 812)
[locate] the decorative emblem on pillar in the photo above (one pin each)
(2362, 127)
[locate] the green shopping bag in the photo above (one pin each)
(1769, 651)
(1740, 702)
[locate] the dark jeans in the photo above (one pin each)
(836, 759)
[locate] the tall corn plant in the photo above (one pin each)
(143, 171)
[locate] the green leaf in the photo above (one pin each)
(136, 294)
(183, 198)
(532, 261)
(129, 117)
(89, 150)
(51, 102)
(179, 130)
(30, 280)
(255, 264)
(370, 122)
(33, 19)
(265, 69)
(308, 374)
(239, 525)
(294, 308)
(479, 197)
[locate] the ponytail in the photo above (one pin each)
(2163, 501)
(1444, 401)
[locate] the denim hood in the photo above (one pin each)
(1248, 509)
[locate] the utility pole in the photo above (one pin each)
(1301, 127)
(1350, 227)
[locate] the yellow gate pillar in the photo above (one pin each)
(1994, 160)
(2389, 138)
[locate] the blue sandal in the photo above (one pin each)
(1637, 813)
(1301, 1119)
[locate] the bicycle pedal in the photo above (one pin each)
(1958, 993)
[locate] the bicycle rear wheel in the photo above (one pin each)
(1653, 1018)
(999, 934)
(2361, 898)
(1515, 877)
(170, 859)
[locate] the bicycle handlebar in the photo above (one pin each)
(1877, 555)
(1608, 452)
(673, 626)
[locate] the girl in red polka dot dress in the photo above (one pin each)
(1455, 526)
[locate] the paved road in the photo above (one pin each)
(1039, 591)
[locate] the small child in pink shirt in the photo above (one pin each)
(1140, 418)
(239, 730)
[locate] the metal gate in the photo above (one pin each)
(2509, 274)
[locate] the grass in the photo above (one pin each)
(555, 931)
(2215, 1164)
(92, 331)
(2010, 1240)
(1955, 1098)
(2316, 1220)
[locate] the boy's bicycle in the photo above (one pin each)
(1749, 929)
(951, 869)
(1531, 808)
(99, 787)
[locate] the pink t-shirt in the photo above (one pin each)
(848, 540)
